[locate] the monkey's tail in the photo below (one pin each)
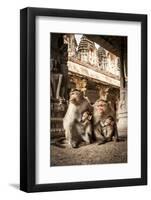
(59, 142)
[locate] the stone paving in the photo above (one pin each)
(111, 152)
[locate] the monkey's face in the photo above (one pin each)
(86, 116)
(101, 107)
(76, 97)
(109, 121)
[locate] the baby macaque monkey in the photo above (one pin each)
(108, 128)
(87, 126)
(86, 117)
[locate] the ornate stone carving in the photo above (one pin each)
(80, 83)
(122, 113)
(111, 96)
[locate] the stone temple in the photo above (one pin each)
(100, 71)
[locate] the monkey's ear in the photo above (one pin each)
(90, 117)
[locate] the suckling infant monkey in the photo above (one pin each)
(87, 126)
(108, 128)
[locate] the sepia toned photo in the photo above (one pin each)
(88, 99)
(83, 99)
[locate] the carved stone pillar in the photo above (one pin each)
(59, 83)
(110, 95)
(122, 110)
(64, 70)
(80, 84)
(122, 113)
(103, 92)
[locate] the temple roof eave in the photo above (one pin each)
(89, 73)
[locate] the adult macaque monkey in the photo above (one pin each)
(74, 131)
(101, 112)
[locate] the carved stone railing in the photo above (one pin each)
(94, 67)
(89, 72)
(56, 121)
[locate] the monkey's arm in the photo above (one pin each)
(89, 106)
(98, 132)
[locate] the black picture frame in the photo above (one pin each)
(28, 98)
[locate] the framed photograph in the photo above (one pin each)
(83, 99)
